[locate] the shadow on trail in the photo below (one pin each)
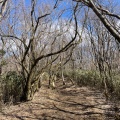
(65, 103)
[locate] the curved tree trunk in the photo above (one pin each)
(98, 11)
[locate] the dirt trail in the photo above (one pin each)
(65, 103)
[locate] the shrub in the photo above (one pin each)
(93, 79)
(12, 87)
(116, 84)
(83, 77)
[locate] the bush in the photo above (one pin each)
(116, 83)
(12, 87)
(93, 79)
(83, 78)
(87, 78)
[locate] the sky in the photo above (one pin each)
(117, 1)
(28, 1)
(66, 4)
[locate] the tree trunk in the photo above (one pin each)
(26, 91)
(63, 79)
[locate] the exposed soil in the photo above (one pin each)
(67, 102)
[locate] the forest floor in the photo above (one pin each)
(68, 102)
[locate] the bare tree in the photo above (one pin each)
(29, 42)
(3, 4)
(103, 50)
(103, 14)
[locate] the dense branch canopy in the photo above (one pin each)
(102, 13)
